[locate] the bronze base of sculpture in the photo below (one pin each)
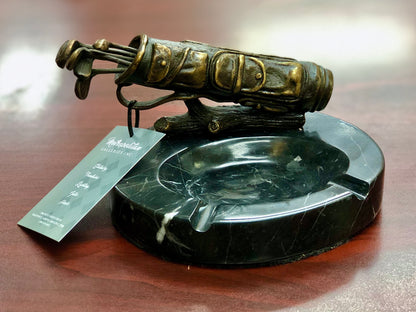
(202, 119)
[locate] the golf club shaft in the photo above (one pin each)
(121, 57)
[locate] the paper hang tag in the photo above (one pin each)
(82, 188)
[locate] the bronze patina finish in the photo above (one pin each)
(280, 89)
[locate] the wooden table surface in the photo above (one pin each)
(45, 131)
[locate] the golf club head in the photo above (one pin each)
(83, 68)
(101, 44)
(82, 86)
(65, 52)
(75, 57)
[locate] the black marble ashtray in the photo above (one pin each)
(252, 200)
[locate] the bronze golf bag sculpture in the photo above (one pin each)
(274, 92)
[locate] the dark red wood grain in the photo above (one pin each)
(45, 131)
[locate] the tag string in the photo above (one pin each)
(129, 118)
